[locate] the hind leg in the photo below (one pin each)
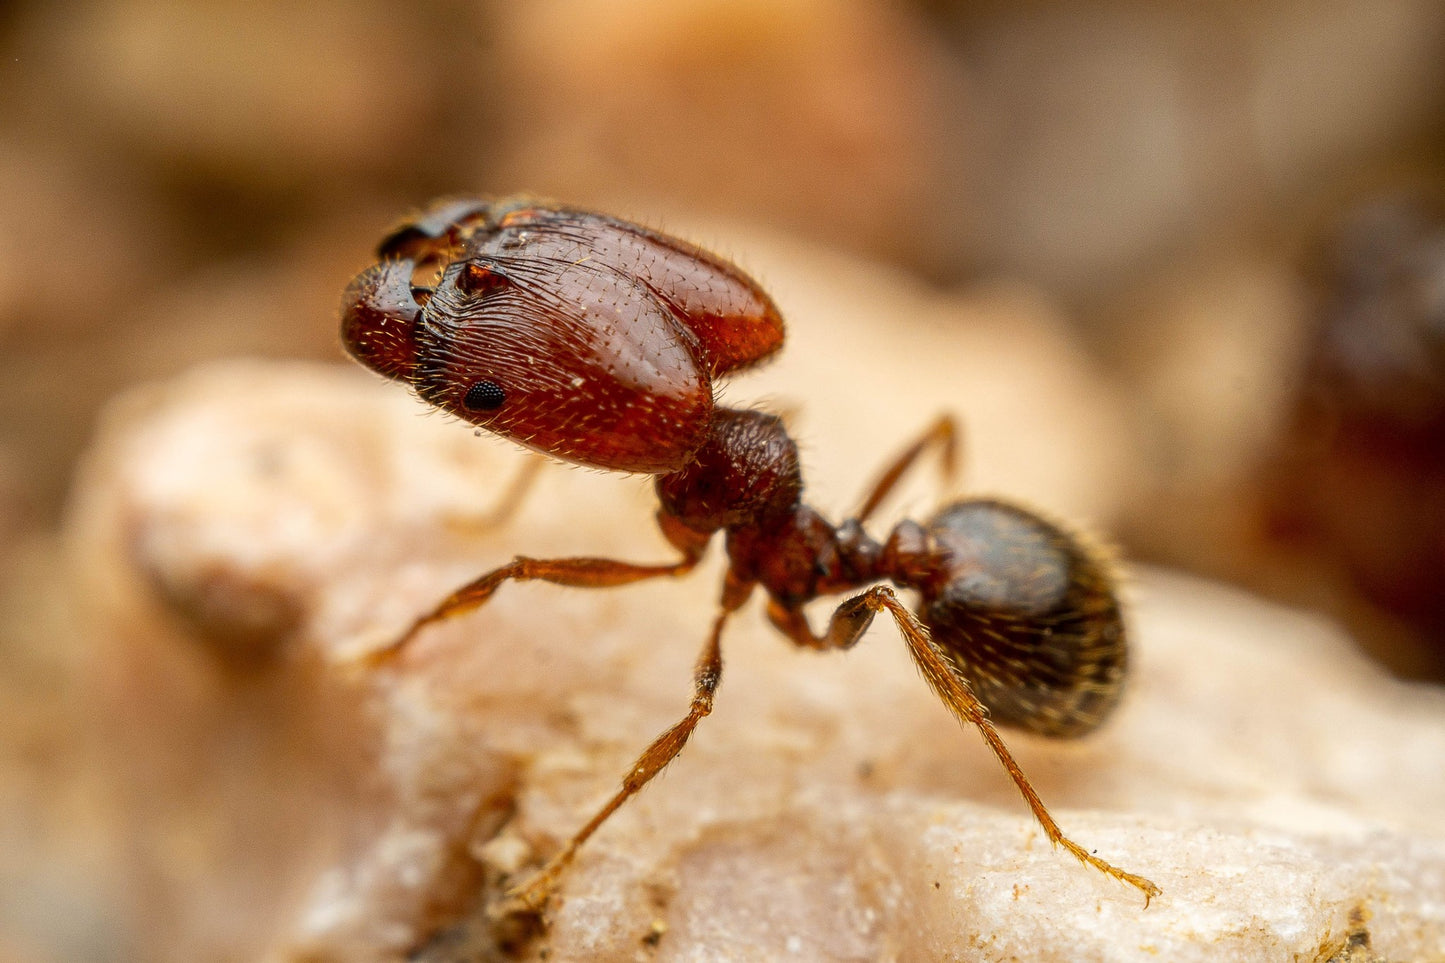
(852, 618)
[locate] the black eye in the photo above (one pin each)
(484, 396)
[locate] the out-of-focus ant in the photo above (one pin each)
(597, 341)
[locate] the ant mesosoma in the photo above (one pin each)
(597, 341)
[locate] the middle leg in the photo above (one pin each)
(706, 676)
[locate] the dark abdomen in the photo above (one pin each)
(1027, 615)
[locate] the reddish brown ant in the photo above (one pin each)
(597, 341)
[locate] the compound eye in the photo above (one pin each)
(484, 396)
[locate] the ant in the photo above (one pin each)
(597, 341)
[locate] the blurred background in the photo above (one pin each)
(1237, 205)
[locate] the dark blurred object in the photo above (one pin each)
(1360, 477)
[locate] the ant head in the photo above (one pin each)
(578, 335)
(573, 363)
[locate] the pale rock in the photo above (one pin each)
(245, 533)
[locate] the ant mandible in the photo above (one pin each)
(597, 341)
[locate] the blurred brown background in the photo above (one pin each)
(1237, 204)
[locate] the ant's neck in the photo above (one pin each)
(800, 556)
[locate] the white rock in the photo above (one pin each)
(286, 804)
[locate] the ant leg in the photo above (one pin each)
(575, 572)
(847, 625)
(507, 505)
(943, 434)
(706, 676)
(955, 694)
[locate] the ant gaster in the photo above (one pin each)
(597, 341)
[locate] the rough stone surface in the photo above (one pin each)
(244, 533)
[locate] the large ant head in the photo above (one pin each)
(577, 335)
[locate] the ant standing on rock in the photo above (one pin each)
(597, 341)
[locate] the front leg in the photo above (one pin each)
(575, 572)
(533, 894)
